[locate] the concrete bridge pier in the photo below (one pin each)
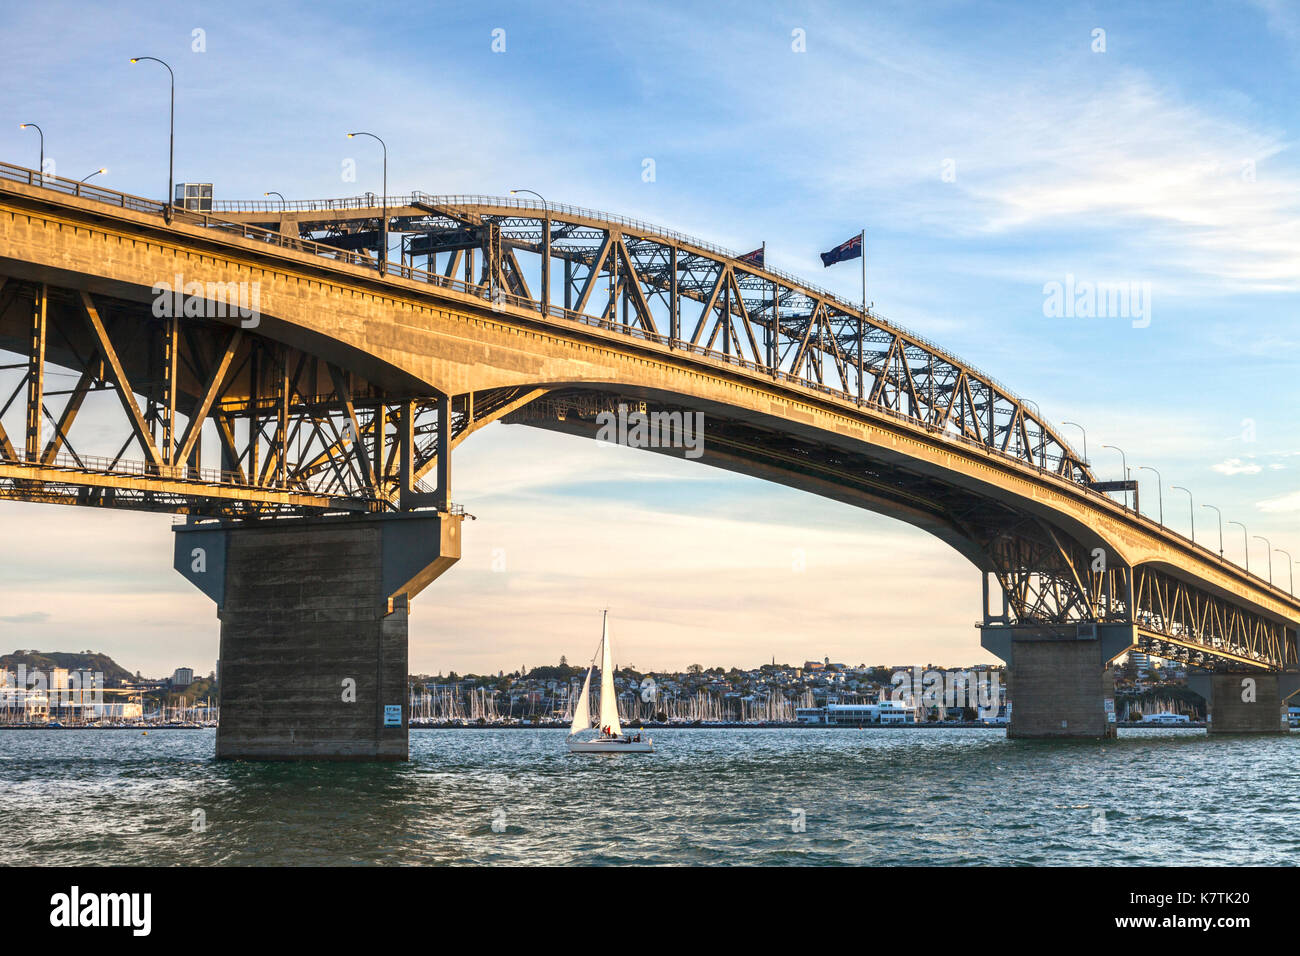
(1058, 684)
(313, 618)
(1246, 702)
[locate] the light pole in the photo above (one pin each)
(1290, 570)
(281, 195)
(1220, 514)
(546, 248)
(1269, 549)
(1085, 439)
(1245, 542)
(41, 168)
(171, 139)
(1124, 464)
(1191, 509)
(383, 227)
(88, 176)
(1160, 494)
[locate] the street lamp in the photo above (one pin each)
(1085, 439)
(281, 195)
(41, 168)
(1160, 494)
(1269, 548)
(1245, 542)
(1220, 514)
(1124, 464)
(383, 227)
(546, 248)
(87, 177)
(1290, 570)
(1191, 509)
(171, 139)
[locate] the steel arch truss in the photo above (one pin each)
(1180, 621)
(1047, 578)
(104, 403)
(654, 284)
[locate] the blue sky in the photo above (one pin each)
(1167, 159)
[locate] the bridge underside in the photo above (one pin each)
(1042, 574)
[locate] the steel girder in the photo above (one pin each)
(127, 409)
(1047, 578)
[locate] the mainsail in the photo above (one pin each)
(582, 710)
(608, 700)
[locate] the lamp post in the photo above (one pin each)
(1160, 494)
(383, 226)
(1245, 542)
(1191, 509)
(1124, 464)
(88, 176)
(546, 248)
(1269, 549)
(281, 195)
(1085, 439)
(40, 168)
(1290, 570)
(171, 139)
(1220, 514)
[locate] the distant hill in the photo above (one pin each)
(114, 673)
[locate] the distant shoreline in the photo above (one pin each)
(1127, 725)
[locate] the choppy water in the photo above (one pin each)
(708, 796)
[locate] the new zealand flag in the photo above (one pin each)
(845, 250)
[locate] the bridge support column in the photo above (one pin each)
(1058, 685)
(1245, 703)
(313, 617)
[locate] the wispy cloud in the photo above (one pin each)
(1235, 466)
(29, 617)
(1281, 505)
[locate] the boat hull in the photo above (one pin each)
(611, 747)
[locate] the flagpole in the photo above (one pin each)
(862, 319)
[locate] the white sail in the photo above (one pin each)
(582, 709)
(608, 701)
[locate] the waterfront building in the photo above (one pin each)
(892, 712)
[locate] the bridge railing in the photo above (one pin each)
(365, 201)
(72, 187)
(136, 468)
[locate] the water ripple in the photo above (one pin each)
(772, 797)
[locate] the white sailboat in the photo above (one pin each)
(611, 738)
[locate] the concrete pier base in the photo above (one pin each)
(313, 617)
(1245, 703)
(1058, 684)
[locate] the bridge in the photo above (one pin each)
(295, 384)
